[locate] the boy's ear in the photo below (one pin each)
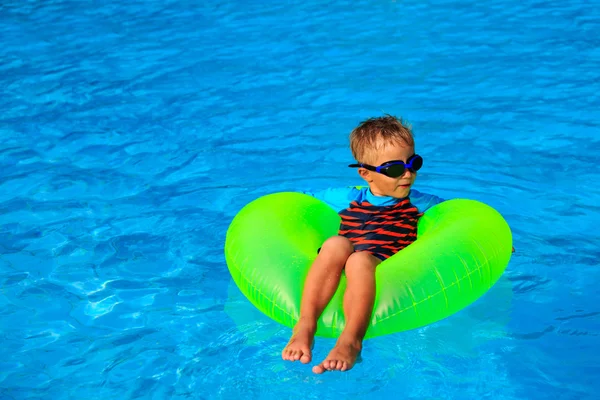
(365, 174)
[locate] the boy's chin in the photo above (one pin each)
(401, 191)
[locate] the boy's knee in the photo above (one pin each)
(338, 244)
(360, 260)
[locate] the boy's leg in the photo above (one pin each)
(320, 286)
(358, 306)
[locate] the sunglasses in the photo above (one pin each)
(395, 168)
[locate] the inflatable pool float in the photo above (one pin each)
(463, 247)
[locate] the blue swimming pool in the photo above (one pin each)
(132, 132)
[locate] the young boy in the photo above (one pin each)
(377, 222)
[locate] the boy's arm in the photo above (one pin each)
(424, 201)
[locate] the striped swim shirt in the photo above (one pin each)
(380, 230)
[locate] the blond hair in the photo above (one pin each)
(374, 133)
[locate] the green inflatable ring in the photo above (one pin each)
(463, 247)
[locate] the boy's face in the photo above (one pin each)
(382, 185)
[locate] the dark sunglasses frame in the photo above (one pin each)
(390, 168)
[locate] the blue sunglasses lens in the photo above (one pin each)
(417, 162)
(396, 170)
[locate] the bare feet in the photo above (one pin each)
(341, 358)
(300, 345)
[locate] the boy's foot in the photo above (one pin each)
(341, 358)
(300, 345)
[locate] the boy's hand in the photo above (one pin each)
(513, 250)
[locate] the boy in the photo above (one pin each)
(377, 222)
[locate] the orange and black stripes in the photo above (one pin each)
(381, 231)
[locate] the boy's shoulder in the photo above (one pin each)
(339, 198)
(423, 201)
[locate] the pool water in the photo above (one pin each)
(132, 132)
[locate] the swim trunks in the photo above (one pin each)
(380, 230)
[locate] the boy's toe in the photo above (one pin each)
(318, 369)
(301, 354)
(305, 357)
